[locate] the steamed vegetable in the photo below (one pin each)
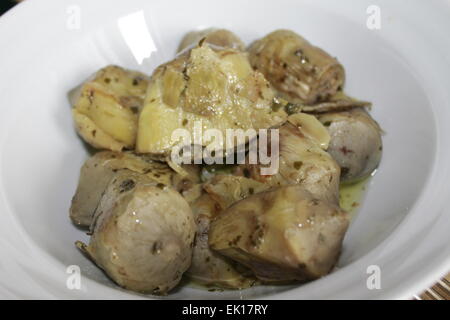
(338, 102)
(217, 37)
(142, 234)
(302, 160)
(355, 144)
(300, 72)
(311, 128)
(216, 87)
(281, 235)
(99, 170)
(208, 267)
(105, 108)
(154, 219)
(188, 185)
(228, 189)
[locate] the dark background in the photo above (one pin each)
(5, 5)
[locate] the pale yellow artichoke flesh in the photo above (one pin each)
(299, 71)
(105, 108)
(217, 37)
(217, 87)
(282, 235)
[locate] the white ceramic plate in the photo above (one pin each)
(47, 47)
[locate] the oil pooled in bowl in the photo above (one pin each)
(352, 195)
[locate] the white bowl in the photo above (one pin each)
(47, 47)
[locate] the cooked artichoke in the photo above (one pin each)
(153, 218)
(300, 72)
(142, 234)
(338, 102)
(355, 144)
(209, 267)
(105, 108)
(216, 87)
(188, 185)
(217, 37)
(99, 170)
(228, 189)
(302, 161)
(311, 128)
(281, 235)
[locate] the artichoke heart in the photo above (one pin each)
(209, 267)
(216, 88)
(302, 161)
(217, 37)
(282, 235)
(312, 128)
(142, 234)
(299, 71)
(100, 169)
(355, 143)
(338, 102)
(228, 189)
(105, 108)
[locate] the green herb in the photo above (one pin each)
(292, 108)
(298, 165)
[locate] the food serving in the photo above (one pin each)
(161, 203)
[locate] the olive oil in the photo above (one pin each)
(352, 195)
